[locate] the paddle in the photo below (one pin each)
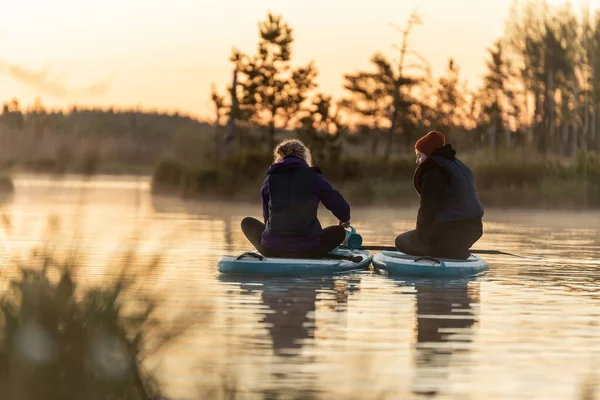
(474, 251)
(354, 259)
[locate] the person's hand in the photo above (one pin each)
(345, 224)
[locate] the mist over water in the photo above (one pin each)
(527, 324)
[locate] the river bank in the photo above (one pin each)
(503, 182)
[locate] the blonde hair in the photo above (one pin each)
(292, 147)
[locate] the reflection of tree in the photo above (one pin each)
(445, 319)
(227, 234)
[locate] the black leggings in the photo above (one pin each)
(454, 244)
(331, 238)
(409, 243)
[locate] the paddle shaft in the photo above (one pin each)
(355, 259)
(474, 251)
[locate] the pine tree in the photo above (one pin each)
(272, 92)
(450, 101)
(386, 92)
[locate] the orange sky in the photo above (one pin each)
(165, 54)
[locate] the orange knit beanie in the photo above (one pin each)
(430, 142)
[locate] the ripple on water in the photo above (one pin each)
(526, 329)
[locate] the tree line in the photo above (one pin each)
(540, 92)
(59, 140)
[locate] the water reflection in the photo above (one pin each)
(227, 234)
(289, 316)
(292, 320)
(446, 312)
(405, 338)
(291, 304)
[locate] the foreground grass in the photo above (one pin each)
(589, 388)
(62, 341)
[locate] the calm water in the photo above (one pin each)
(525, 330)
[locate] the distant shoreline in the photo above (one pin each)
(547, 192)
(507, 182)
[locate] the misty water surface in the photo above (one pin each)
(526, 329)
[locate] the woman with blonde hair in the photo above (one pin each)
(290, 198)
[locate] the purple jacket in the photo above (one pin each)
(322, 191)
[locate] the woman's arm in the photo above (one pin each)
(432, 192)
(332, 199)
(264, 198)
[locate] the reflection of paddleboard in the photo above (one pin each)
(252, 263)
(397, 263)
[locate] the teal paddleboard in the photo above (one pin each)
(400, 264)
(252, 263)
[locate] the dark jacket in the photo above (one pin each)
(449, 200)
(290, 199)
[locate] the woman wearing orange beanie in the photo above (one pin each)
(450, 215)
